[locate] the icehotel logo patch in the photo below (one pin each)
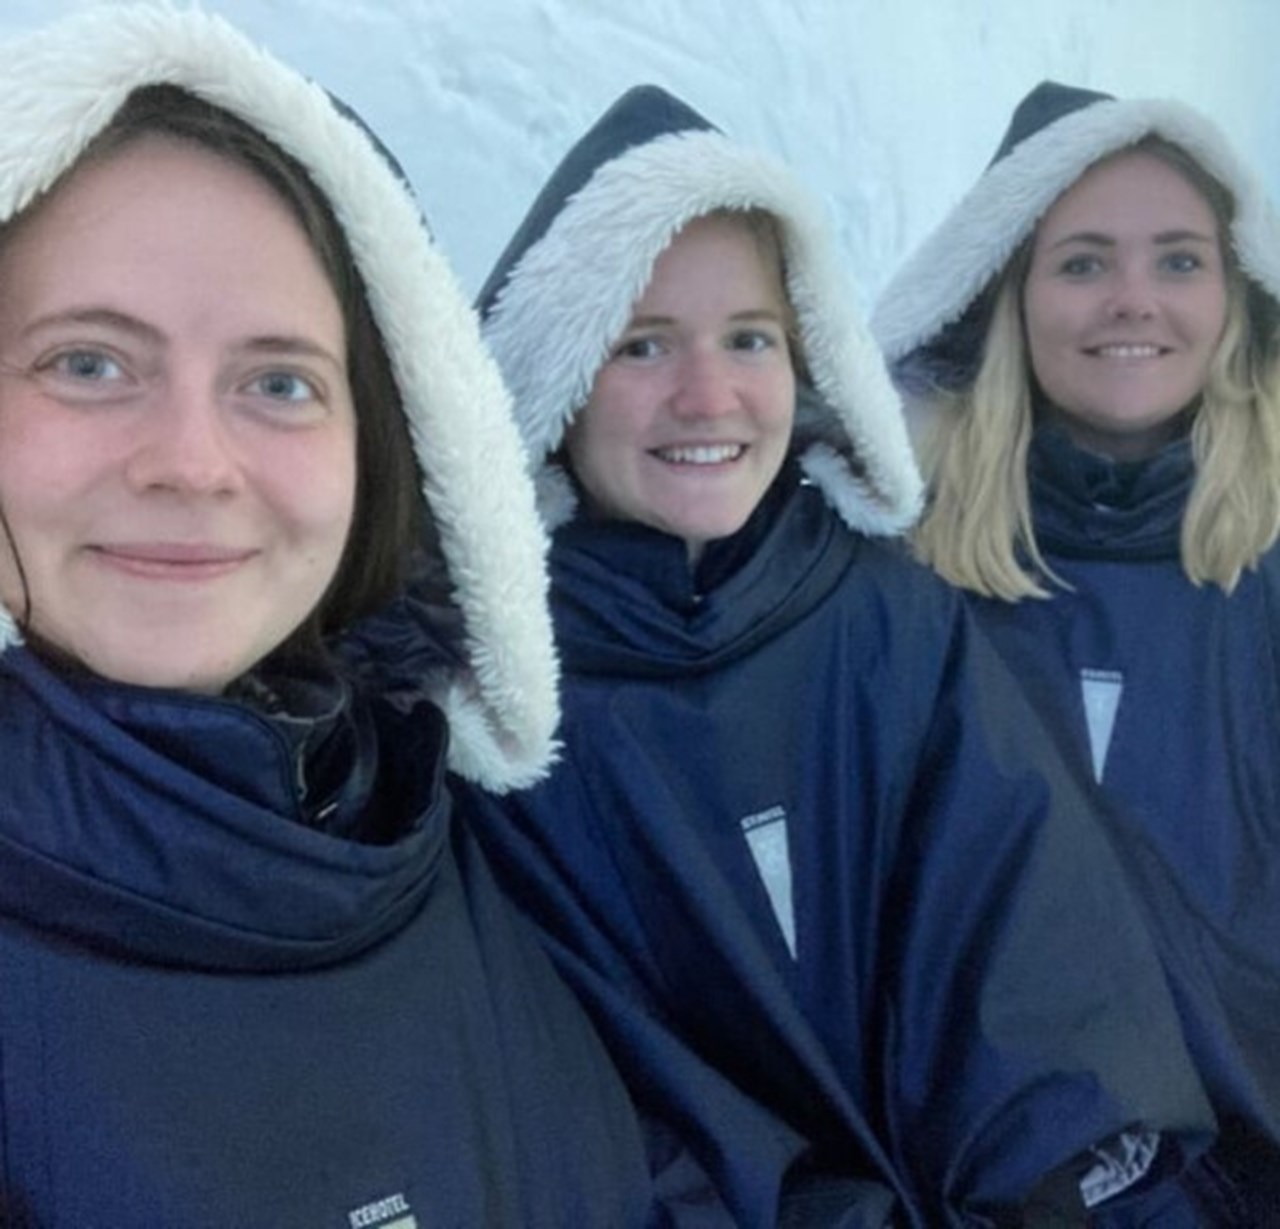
(390, 1213)
(766, 834)
(1101, 691)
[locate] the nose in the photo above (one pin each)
(704, 386)
(183, 444)
(1132, 296)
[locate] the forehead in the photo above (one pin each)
(722, 252)
(1131, 191)
(162, 224)
(140, 176)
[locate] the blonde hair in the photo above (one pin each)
(977, 531)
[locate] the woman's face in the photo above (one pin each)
(1125, 302)
(690, 417)
(177, 435)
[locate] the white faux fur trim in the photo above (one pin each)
(955, 263)
(62, 84)
(571, 294)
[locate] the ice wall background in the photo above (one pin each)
(889, 108)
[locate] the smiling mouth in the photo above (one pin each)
(1128, 350)
(700, 454)
(172, 561)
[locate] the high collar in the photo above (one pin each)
(171, 824)
(1089, 506)
(329, 741)
(626, 602)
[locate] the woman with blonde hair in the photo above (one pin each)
(1089, 341)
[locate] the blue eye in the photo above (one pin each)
(643, 347)
(1181, 262)
(753, 341)
(283, 386)
(1081, 265)
(87, 365)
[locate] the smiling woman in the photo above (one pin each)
(689, 421)
(177, 433)
(253, 969)
(1102, 417)
(1125, 303)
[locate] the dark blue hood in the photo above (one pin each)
(641, 115)
(562, 292)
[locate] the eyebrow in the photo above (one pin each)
(289, 344)
(107, 317)
(1165, 237)
(762, 313)
(104, 316)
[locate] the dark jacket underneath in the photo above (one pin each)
(214, 1014)
(1169, 694)
(806, 826)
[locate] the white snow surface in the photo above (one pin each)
(888, 108)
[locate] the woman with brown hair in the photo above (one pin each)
(252, 969)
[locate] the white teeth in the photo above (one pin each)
(701, 454)
(1120, 351)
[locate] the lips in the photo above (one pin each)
(700, 454)
(172, 560)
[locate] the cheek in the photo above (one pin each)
(601, 457)
(1051, 332)
(783, 400)
(1214, 317)
(1036, 319)
(336, 503)
(54, 461)
(589, 450)
(312, 488)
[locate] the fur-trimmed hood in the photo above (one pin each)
(63, 84)
(932, 317)
(563, 291)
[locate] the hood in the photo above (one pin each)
(932, 317)
(64, 83)
(563, 291)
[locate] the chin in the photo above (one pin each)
(181, 675)
(707, 532)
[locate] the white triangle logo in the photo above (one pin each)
(1101, 690)
(766, 834)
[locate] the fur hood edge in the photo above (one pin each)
(64, 84)
(567, 296)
